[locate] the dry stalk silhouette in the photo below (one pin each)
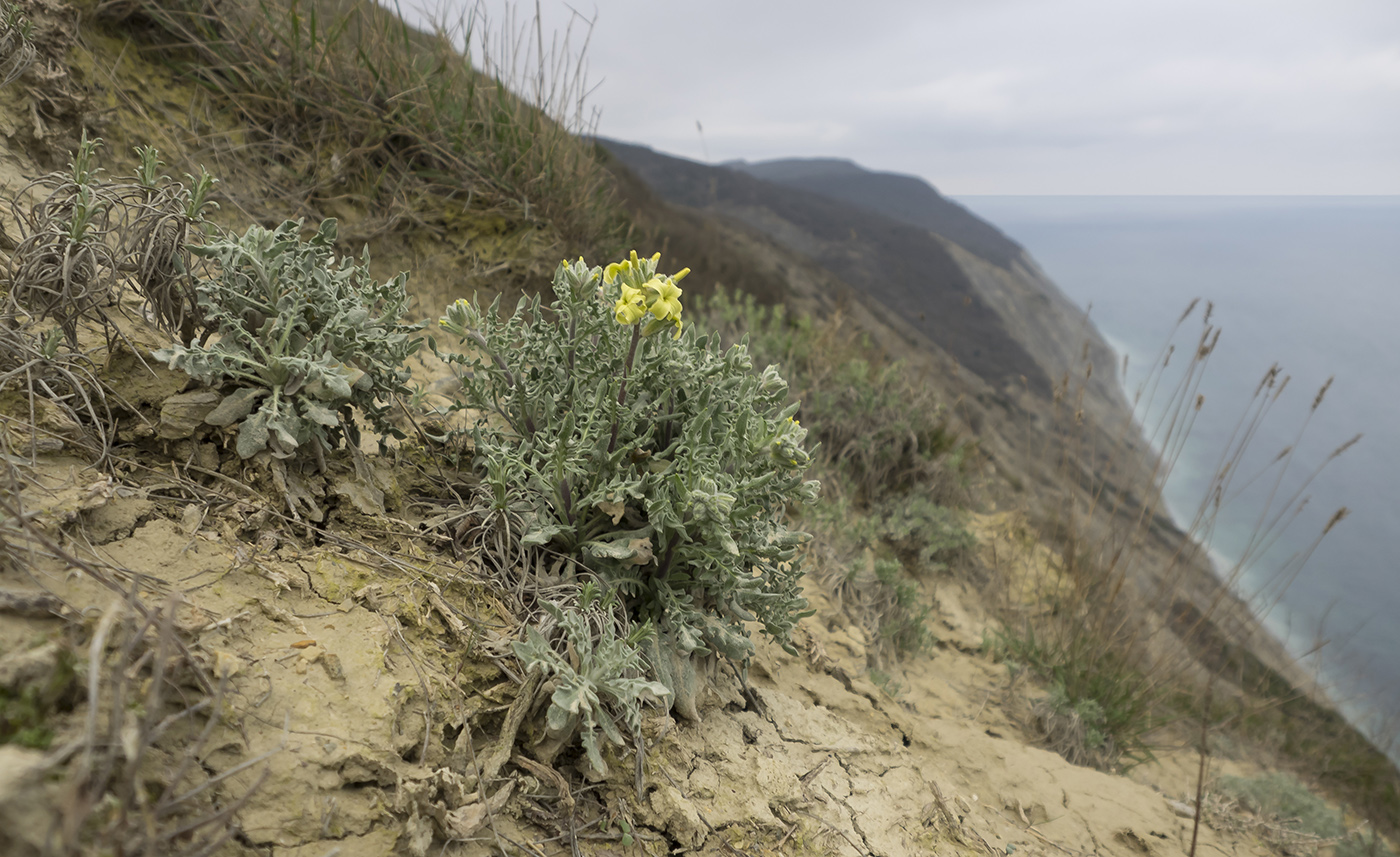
(1132, 614)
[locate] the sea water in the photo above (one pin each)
(1312, 283)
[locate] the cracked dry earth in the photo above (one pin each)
(837, 761)
(380, 690)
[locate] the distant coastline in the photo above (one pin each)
(1288, 275)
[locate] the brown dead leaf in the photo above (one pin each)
(465, 821)
(616, 510)
(643, 553)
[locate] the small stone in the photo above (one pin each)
(190, 519)
(181, 414)
(1181, 810)
(330, 662)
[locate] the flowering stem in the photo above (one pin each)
(573, 343)
(480, 340)
(670, 422)
(622, 390)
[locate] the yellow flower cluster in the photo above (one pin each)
(644, 291)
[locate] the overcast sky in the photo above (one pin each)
(1013, 96)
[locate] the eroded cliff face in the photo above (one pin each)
(904, 267)
(1059, 335)
(1033, 310)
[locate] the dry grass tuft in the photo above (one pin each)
(127, 793)
(132, 781)
(354, 105)
(87, 236)
(1131, 620)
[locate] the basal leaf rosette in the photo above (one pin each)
(664, 463)
(300, 337)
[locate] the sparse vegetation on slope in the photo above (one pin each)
(463, 644)
(888, 457)
(361, 106)
(1128, 633)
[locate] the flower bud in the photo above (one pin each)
(771, 383)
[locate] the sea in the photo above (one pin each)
(1311, 283)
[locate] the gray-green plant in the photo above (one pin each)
(887, 683)
(1101, 709)
(90, 235)
(881, 554)
(301, 338)
(64, 265)
(17, 50)
(1077, 729)
(643, 448)
(1289, 815)
(903, 611)
(598, 677)
(1284, 797)
(925, 534)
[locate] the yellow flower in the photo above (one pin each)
(630, 308)
(628, 269)
(666, 303)
(644, 291)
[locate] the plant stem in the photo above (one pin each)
(573, 343)
(1201, 772)
(665, 569)
(566, 493)
(622, 390)
(500, 361)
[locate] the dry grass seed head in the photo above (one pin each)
(367, 108)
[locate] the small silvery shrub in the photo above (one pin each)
(17, 50)
(300, 337)
(657, 458)
(598, 684)
(922, 532)
(88, 236)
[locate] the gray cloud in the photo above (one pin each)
(1016, 96)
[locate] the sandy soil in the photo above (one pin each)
(361, 670)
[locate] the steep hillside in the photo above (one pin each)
(1033, 308)
(905, 198)
(957, 279)
(905, 268)
(354, 627)
(1098, 452)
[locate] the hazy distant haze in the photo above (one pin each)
(1013, 96)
